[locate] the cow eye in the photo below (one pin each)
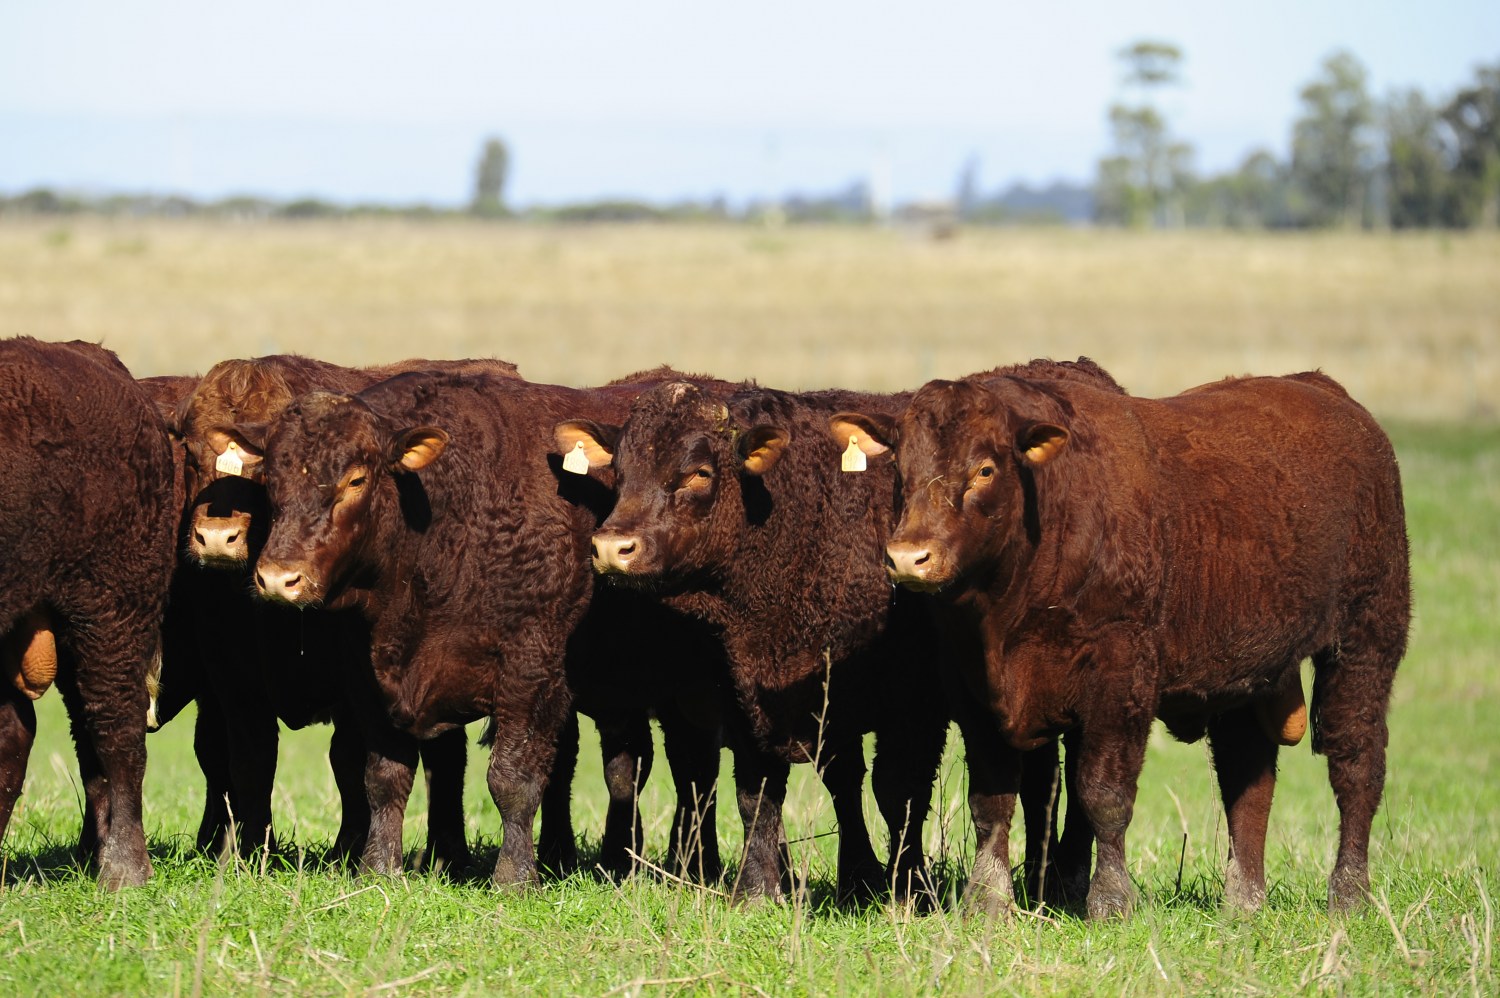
(987, 471)
(357, 481)
(697, 479)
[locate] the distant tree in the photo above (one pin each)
(966, 198)
(489, 179)
(1144, 180)
(1333, 143)
(1416, 174)
(1473, 117)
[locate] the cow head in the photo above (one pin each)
(332, 465)
(967, 453)
(678, 462)
(225, 482)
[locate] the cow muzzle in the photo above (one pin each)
(285, 583)
(614, 553)
(916, 566)
(221, 541)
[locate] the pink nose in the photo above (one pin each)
(286, 584)
(221, 539)
(906, 562)
(613, 552)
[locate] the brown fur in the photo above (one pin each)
(86, 517)
(1129, 558)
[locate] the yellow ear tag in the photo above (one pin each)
(576, 460)
(854, 458)
(229, 462)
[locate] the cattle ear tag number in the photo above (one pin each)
(229, 462)
(576, 461)
(854, 458)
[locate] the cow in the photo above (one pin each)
(1119, 559)
(728, 510)
(249, 664)
(86, 526)
(429, 505)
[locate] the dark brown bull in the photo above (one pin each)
(729, 509)
(86, 520)
(1120, 558)
(246, 662)
(429, 504)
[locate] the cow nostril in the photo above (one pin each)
(232, 538)
(260, 582)
(626, 548)
(199, 538)
(291, 583)
(921, 558)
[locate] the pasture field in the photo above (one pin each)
(1411, 324)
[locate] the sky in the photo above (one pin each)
(658, 99)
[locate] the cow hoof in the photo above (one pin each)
(989, 903)
(1347, 890)
(513, 876)
(1111, 895)
(755, 895)
(1242, 893)
(115, 875)
(858, 890)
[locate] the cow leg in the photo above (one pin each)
(443, 761)
(994, 780)
(760, 791)
(17, 733)
(212, 751)
(253, 741)
(1069, 877)
(557, 850)
(522, 756)
(693, 757)
(90, 772)
(907, 756)
(861, 876)
(346, 756)
(1109, 768)
(109, 680)
(390, 769)
(625, 744)
(1351, 692)
(1041, 785)
(1245, 760)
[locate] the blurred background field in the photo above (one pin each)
(1410, 323)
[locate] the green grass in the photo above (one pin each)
(297, 926)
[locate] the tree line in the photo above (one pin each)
(1406, 161)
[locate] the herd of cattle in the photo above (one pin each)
(402, 550)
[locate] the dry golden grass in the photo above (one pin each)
(1410, 324)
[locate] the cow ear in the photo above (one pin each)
(585, 445)
(240, 449)
(872, 435)
(1041, 442)
(415, 448)
(760, 448)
